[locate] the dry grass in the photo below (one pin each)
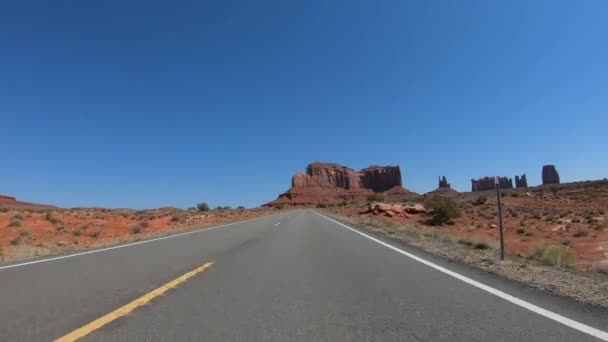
(556, 256)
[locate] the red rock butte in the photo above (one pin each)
(331, 183)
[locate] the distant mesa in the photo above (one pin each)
(521, 182)
(487, 183)
(332, 183)
(550, 175)
(444, 186)
(9, 201)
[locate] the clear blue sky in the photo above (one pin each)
(146, 103)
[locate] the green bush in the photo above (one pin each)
(240, 207)
(321, 205)
(377, 197)
(202, 207)
(444, 210)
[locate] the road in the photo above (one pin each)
(294, 275)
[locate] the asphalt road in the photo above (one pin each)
(307, 279)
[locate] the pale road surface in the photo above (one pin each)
(294, 275)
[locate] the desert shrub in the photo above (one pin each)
(481, 199)
(202, 207)
(279, 207)
(554, 189)
(15, 223)
(321, 205)
(481, 245)
(377, 197)
(176, 218)
(24, 233)
(78, 231)
(465, 242)
(17, 217)
(144, 224)
(49, 217)
(3, 210)
(576, 220)
(138, 229)
(556, 256)
(514, 194)
(240, 207)
(16, 241)
(95, 234)
(343, 204)
(444, 210)
(523, 231)
(430, 235)
(580, 233)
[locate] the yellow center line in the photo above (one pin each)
(124, 310)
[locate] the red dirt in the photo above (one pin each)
(574, 216)
(36, 232)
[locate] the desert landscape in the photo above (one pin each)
(32, 230)
(555, 234)
(552, 232)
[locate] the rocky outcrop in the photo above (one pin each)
(330, 183)
(550, 175)
(487, 183)
(521, 182)
(392, 210)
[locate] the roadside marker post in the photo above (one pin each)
(500, 226)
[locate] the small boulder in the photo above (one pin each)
(600, 266)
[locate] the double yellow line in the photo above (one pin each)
(124, 310)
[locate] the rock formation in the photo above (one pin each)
(444, 186)
(550, 175)
(521, 182)
(443, 183)
(487, 183)
(331, 183)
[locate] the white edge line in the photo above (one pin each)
(602, 335)
(120, 246)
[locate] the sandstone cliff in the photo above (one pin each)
(331, 183)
